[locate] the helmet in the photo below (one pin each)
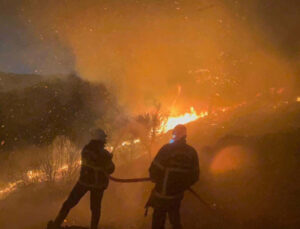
(179, 132)
(99, 134)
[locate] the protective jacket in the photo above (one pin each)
(96, 165)
(174, 169)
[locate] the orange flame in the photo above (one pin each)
(10, 188)
(173, 121)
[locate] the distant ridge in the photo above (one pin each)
(11, 81)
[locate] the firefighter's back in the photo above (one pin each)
(96, 165)
(175, 168)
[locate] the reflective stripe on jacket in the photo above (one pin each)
(174, 169)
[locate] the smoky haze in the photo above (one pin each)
(184, 53)
(145, 50)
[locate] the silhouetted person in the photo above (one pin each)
(174, 169)
(95, 168)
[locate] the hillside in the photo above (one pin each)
(10, 81)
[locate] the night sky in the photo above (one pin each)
(23, 49)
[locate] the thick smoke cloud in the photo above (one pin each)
(219, 52)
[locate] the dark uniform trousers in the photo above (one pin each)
(76, 194)
(160, 216)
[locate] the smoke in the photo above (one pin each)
(144, 50)
(24, 51)
(178, 53)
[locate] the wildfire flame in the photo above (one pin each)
(10, 188)
(173, 121)
(34, 175)
(169, 124)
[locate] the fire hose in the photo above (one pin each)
(132, 180)
(212, 208)
(147, 179)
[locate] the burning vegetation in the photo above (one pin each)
(228, 70)
(224, 164)
(173, 121)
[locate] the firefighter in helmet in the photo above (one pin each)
(174, 169)
(94, 176)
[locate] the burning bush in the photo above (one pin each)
(60, 161)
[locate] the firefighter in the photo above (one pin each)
(174, 169)
(94, 176)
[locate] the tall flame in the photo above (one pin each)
(173, 121)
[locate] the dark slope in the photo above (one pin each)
(11, 81)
